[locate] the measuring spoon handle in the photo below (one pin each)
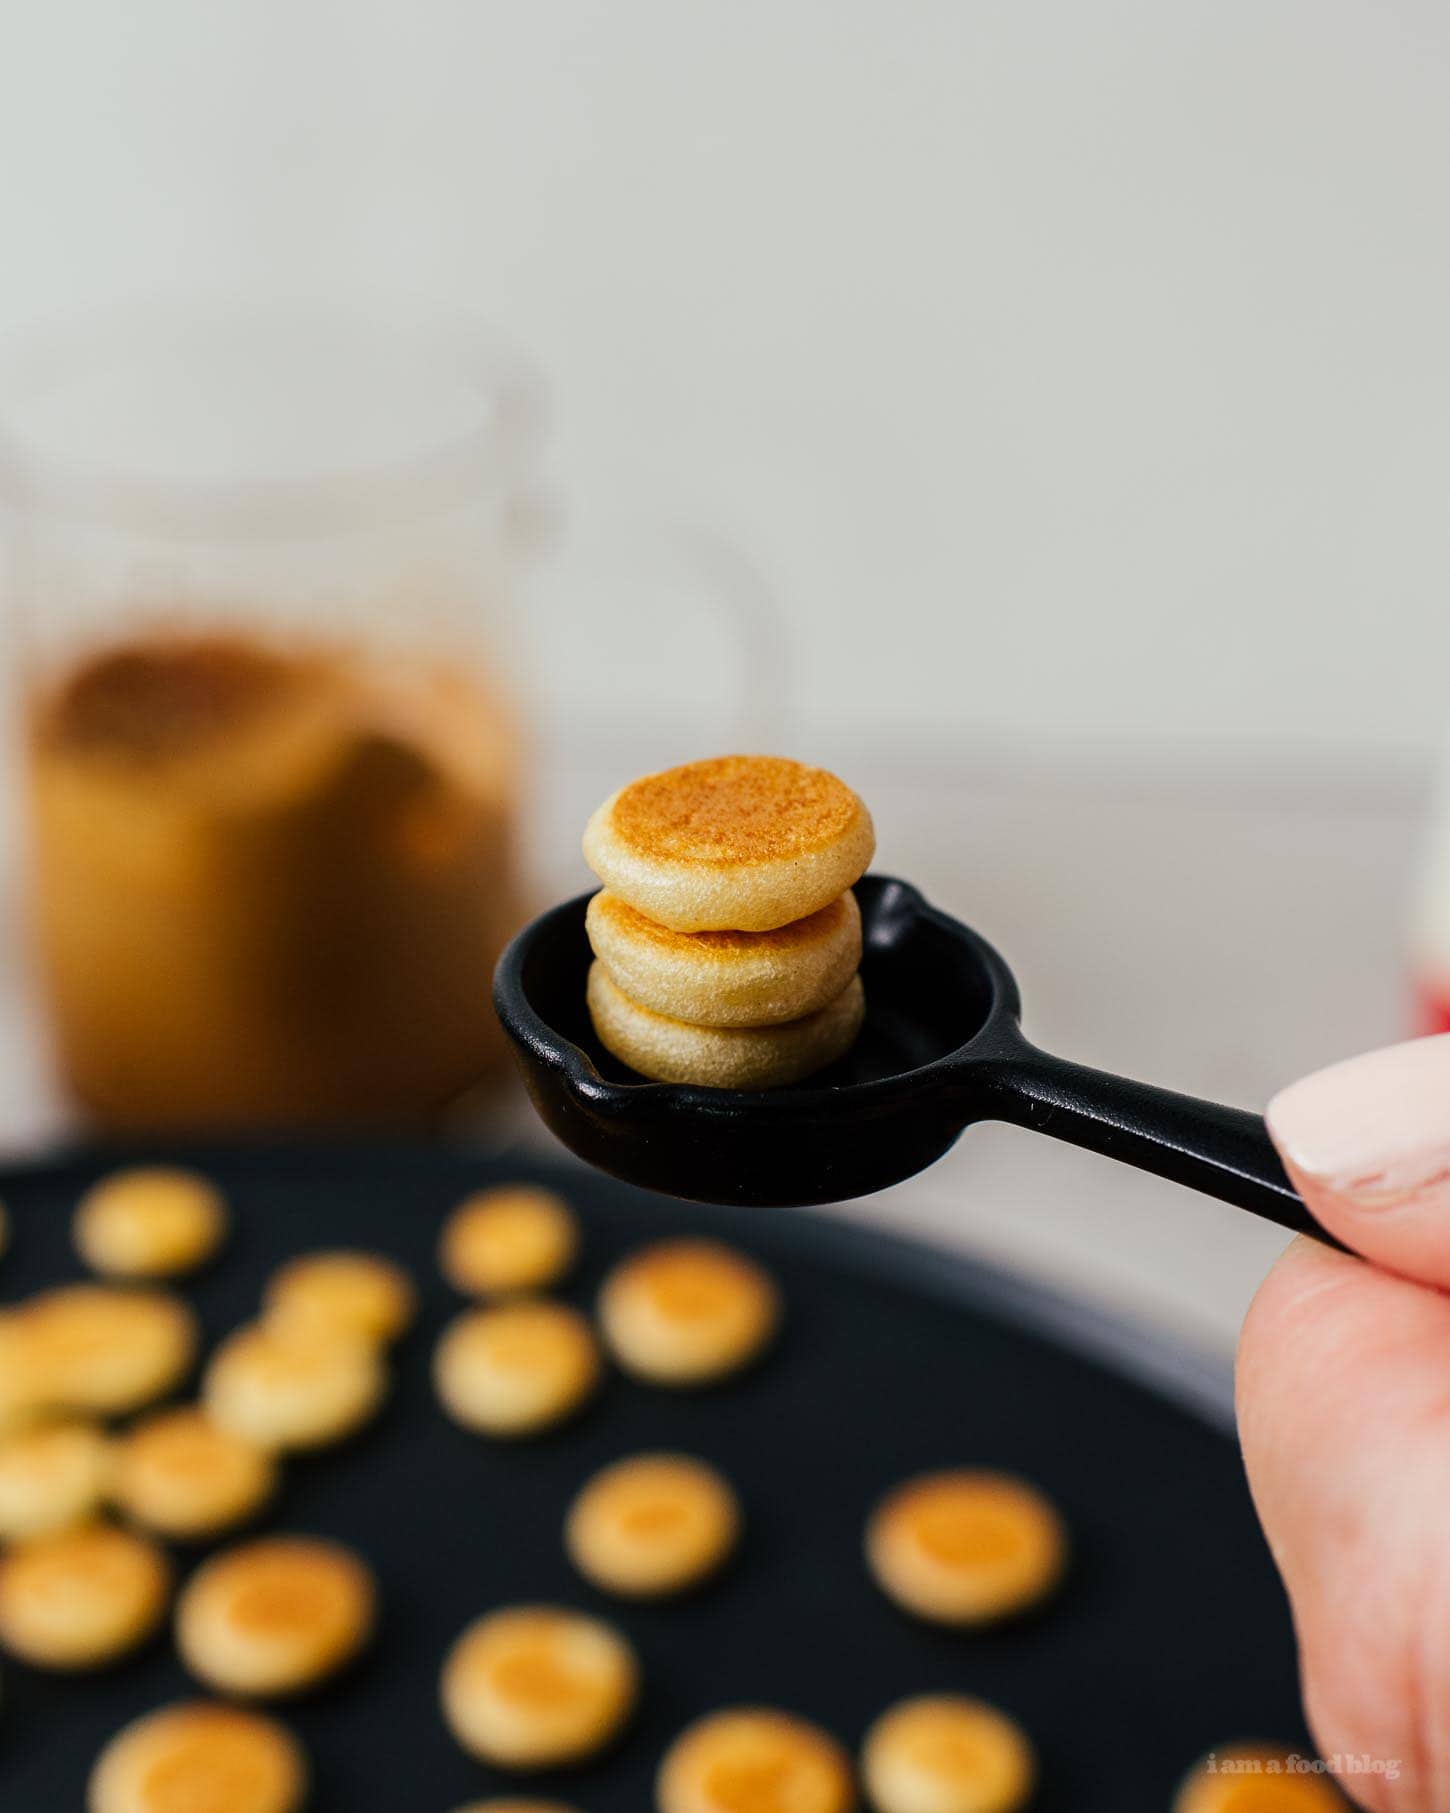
(1224, 1152)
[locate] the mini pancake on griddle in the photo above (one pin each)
(537, 1686)
(199, 1754)
(516, 1368)
(22, 1389)
(102, 1348)
(687, 1312)
(722, 1057)
(966, 1546)
(948, 1753)
(508, 1241)
(728, 978)
(736, 843)
(180, 1474)
(651, 1525)
(286, 1387)
(82, 1598)
(355, 1293)
(150, 1221)
(276, 1615)
(515, 1806)
(52, 1475)
(755, 1757)
(1256, 1778)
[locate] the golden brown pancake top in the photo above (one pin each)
(203, 1758)
(734, 809)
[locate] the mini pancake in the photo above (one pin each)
(1255, 1778)
(515, 1806)
(180, 1474)
(283, 1387)
(966, 1547)
(516, 1368)
(651, 1525)
(22, 1394)
(102, 1348)
(740, 843)
(727, 978)
(202, 1756)
(149, 1222)
(82, 1598)
(770, 1762)
(504, 1242)
(275, 1616)
(945, 1753)
(536, 1686)
(52, 1475)
(687, 1312)
(722, 1057)
(353, 1293)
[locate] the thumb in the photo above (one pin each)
(1344, 1415)
(1367, 1145)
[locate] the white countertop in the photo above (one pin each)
(1213, 935)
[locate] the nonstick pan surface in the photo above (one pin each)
(1170, 1636)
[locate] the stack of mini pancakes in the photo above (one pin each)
(726, 936)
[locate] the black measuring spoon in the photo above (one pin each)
(941, 1048)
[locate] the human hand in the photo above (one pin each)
(1343, 1389)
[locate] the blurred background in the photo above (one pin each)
(1038, 413)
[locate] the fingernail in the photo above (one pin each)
(1374, 1130)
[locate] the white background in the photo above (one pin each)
(1076, 372)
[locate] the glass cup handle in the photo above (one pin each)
(649, 619)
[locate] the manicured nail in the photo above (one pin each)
(1374, 1130)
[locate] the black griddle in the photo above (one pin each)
(1171, 1634)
